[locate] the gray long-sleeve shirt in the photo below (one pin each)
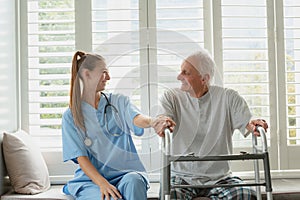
(204, 126)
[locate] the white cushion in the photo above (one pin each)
(27, 170)
(54, 193)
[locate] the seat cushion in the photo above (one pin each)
(54, 193)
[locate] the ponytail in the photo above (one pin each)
(75, 92)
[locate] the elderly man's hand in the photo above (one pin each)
(162, 122)
(257, 122)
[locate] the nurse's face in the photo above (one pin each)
(103, 76)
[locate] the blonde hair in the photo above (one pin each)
(80, 61)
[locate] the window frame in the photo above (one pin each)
(213, 37)
(9, 80)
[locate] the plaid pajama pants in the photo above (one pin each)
(218, 193)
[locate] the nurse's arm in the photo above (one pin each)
(107, 190)
(159, 123)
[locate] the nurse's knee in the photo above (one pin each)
(133, 179)
(133, 186)
(132, 182)
(88, 192)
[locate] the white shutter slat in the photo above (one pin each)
(50, 99)
(36, 120)
(51, 66)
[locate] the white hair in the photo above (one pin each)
(203, 63)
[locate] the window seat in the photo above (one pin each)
(55, 193)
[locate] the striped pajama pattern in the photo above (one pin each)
(218, 193)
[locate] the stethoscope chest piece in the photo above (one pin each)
(88, 142)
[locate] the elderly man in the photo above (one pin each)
(206, 117)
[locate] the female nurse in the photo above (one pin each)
(96, 132)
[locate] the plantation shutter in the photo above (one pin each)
(180, 31)
(115, 36)
(289, 62)
(51, 45)
(245, 56)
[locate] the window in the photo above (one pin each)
(116, 36)
(244, 60)
(51, 43)
(245, 53)
(289, 58)
(179, 31)
(144, 43)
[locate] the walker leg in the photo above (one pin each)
(269, 196)
(268, 177)
(257, 179)
(256, 170)
(166, 181)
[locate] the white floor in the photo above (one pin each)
(286, 186)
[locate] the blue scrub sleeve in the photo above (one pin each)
(73, 145)
(129, 111)
(132, 112)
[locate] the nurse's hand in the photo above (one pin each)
(107, 190)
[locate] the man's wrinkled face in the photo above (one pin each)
(190, 78)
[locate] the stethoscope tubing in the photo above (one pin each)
(87, 141)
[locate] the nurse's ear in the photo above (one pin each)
(86, 74)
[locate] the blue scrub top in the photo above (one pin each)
(113, 156)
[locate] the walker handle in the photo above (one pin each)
(264, 145)
(167, 141)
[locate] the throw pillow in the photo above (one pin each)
(26, 167)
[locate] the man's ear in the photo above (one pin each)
(205, 78)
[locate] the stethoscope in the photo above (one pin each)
(115, 113)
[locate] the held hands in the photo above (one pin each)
(108, 190)
(162, 122)
(257, 122)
